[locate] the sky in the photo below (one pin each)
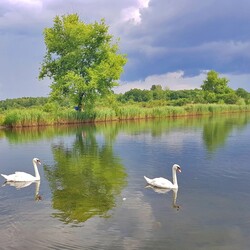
(173, 43)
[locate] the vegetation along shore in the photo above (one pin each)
(134, 104)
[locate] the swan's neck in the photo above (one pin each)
(37, 175)
(174, 178)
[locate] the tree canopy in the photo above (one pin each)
(81, 59)
(215, 84)
(216, 89)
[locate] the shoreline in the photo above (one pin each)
(89, 121)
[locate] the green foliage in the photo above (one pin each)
(51, 107)
(215, 84)
(136, 95)
(190, 95)
(229, 98)
(179, 102)
(82, 59)
(216, 89)
(24, 102)
(175, 98)
(210, 97)
(241, 101)
(242, 93)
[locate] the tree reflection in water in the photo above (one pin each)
(217, 129)
(85, 180)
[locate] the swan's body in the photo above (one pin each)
(24, 177)
(161, 182)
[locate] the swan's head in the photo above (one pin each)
(36, 160)
(176, 167)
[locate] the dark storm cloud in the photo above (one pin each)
(191, 36)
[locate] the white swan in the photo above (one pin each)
(164, 183)
(22, 176)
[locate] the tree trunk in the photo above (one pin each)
(80, 102)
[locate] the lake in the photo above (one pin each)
(92, 194)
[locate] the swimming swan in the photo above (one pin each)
(22, 176)
(164, 183)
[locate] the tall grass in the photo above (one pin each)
(37, 117)
(29, 117)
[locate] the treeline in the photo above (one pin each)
(214, 90)
(183, 97)
(24, 102)
(156, 95)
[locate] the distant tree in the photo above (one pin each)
(23, 102)
(157, 92)
(215, 84)
(242, 93)
(216, 89)
(156, 87)
(229, 98)
(211, 97)
(190, 95)
(137, 95)
(81, 59)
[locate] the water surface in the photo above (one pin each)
(92, 192)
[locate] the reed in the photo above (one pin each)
(39, 117)
(105, 114)
(29, 117)
(130, 112)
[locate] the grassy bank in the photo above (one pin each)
(37, 117)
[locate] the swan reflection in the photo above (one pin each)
(22, 184)
(164, 191)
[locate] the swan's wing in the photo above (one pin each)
(161, 183)
(22, 176)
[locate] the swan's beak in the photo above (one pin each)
(39, 162)
(179, 170)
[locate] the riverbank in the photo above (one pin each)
(37, 117)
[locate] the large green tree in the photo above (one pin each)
(215, 84)
(83, 60)
(216, 89)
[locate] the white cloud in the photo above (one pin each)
(172, 80)
(133, 13)
(177, 81)
(27, 3)
(238, 80)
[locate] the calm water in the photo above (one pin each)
(92, 191)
